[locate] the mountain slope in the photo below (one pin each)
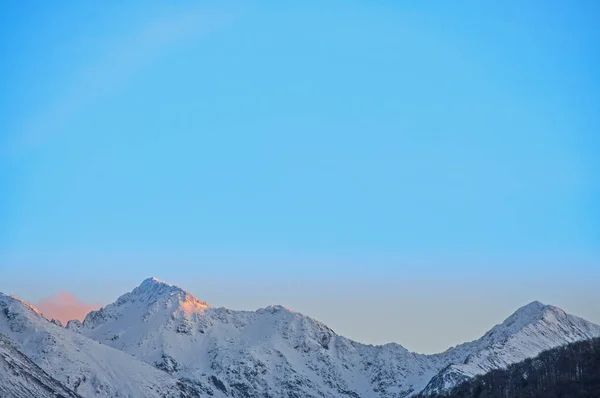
(21, 378)
(530, 330)
(277, 352)
(567, 371)
(87, 367)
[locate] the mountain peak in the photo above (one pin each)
(526, 315)
(530, 330)
(534, 304)
(529, 312)
(533, 308)
(154, 288)
(152, 281)
(143, 302)
(535, 312)
(20, 303)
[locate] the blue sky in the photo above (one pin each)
(387, 158)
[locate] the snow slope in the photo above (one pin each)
(88, 367)
(530, 330)
(277, 352)
(21, 378)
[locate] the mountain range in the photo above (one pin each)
(159, 341)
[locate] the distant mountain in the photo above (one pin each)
(277, 352)
(529, 331)
(85, 366)
(572, 370)
(21, 378)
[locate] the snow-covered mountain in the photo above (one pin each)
(160, 341)
(280, 353)
(530, 330)
(87, 367)
(270, 352)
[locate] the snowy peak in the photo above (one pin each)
(152, 289)
(151, 297)
(527, 315)
(78, 363)
(275, 308)
(153, 284)
(535, 317)
(530, 313)
(18, 312)
(23, 306)
(532, 309)
(530, 330)
(252, 353)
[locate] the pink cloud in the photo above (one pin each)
(65, 306)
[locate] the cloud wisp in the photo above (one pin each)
(119, 61)
(65, 306)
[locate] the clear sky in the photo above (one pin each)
(407, 171)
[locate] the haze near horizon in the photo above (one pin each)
(393, 170)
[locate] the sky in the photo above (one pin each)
(402, 171)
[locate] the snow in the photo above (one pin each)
(530, 330)
(21, 378)
(262, 350)
(159, 340)
(88, 367)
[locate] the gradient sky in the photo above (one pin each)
(403, 171)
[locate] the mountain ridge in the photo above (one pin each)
(531, 329)
(182, 345)
(87, 367)
(267, 335)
